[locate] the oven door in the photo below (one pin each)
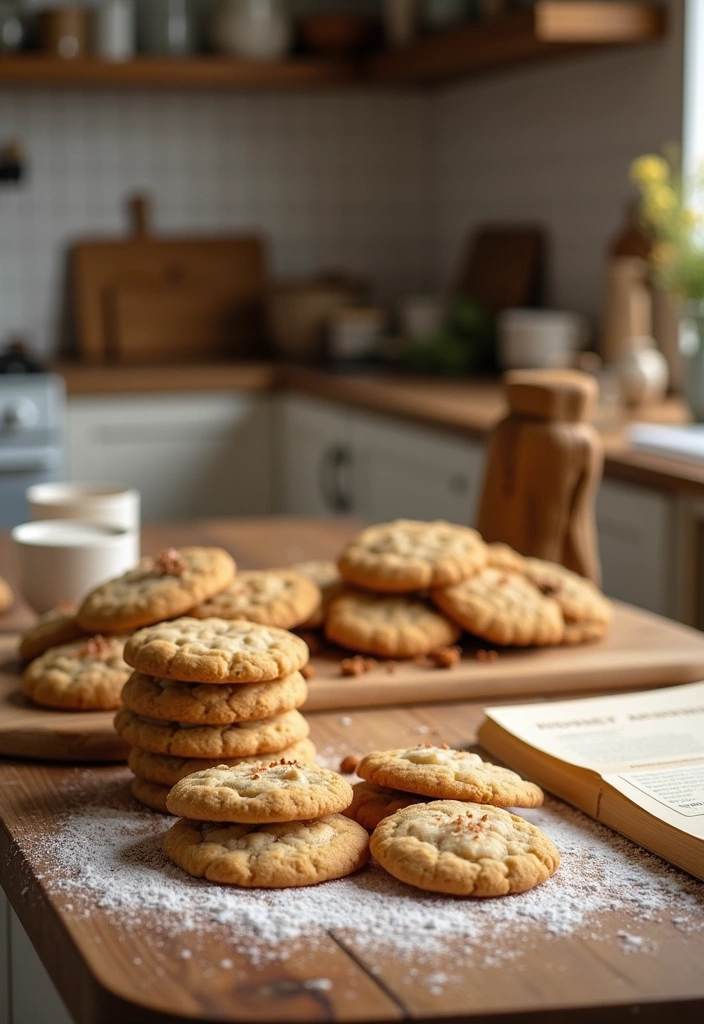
(20, 467)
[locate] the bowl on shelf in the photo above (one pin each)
(336, 34)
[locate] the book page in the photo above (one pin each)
(676, 795)
(614, 735)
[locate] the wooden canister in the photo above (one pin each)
(65, 32)
(544, 465)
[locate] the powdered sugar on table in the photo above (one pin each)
(107, 854)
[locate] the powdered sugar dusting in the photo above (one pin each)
(107, 853)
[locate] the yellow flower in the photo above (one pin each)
(649, 170)
(690, 217)
(659, 203)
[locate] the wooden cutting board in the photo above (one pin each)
(132, 295)
(642, 650)
(43, 734)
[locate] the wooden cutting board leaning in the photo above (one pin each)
(146, 299)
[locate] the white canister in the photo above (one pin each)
(642, 372)
(114, 30)
(105, 504)
(253, 29)
(62, 559)
(539, 338)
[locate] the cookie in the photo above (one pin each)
(586, 611)
(260, 793)
(165, 770)
(215, 651)
(408, 555)
(212, 703)
(6, 595)
(240, 739)
(277, 856)
(159, 587)
(151, 794)
(389, 625)
(87, 675)
(501, 556)
(502, 606)
(276, 597)
(464, 849)
(52, 629)
(448, 775)
(371, 804)
(327, 579)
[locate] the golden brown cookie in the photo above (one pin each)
(212, 703)
(501, 556)
(159, 587)
(87, 675)
(52, 629)
(260, 793)
(277, 856)
(371, 804)
(150, 794)
(389, 625)
(240, 739)
(586, 611)
(504, 607)
(215, 651)
(464, 849)
(271, 597)
(326, 576)
(167, 771)
(408, 555)
(448, 774)
(6, 596)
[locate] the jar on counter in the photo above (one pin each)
(252, 29)
(12, 26)
(166, 27)
(114, 31)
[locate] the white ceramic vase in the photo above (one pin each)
(642, 372)
(252, 29)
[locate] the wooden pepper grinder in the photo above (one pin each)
(544, 465)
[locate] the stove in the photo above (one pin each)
(32, 415)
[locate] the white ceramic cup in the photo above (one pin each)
(63, 559)
(539, 338)
(107, 504)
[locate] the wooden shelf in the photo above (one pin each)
(548, 28)
(186, 73)
(533, 34)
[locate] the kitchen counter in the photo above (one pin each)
(608, 936)
(467, 408)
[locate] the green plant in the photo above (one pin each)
(464, 345)
(670, 209)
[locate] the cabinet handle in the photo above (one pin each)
(335, 461)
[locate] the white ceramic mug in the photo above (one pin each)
(63, 559)
(107, 504)
(539, 338)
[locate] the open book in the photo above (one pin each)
(634, 762)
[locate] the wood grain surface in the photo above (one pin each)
(110, 972)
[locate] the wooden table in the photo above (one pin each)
(108, 971)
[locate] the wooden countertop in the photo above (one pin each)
(466, 407)
(111, 965)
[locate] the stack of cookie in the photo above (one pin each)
(212, 692)
(275, 825)
(438, 822)
(395, 570)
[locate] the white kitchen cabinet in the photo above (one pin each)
(335, 460)
(402, 470)
(635, 528)
(315, 457)
(190, 455)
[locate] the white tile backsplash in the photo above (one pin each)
(331, 180)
